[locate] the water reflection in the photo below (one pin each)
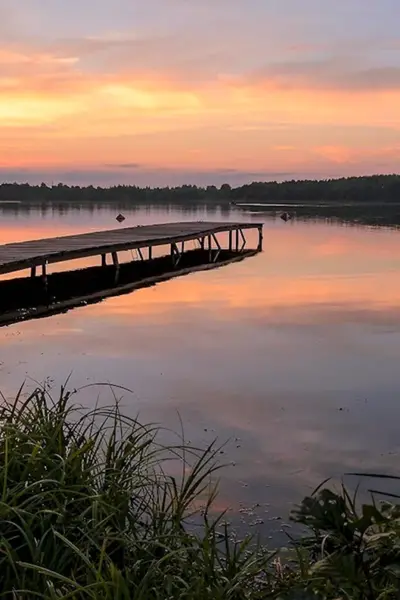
(292, 355)
(25, 298)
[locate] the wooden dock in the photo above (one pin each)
(40, 253)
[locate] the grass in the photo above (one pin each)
(89, 510)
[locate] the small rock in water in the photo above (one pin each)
(120, 218)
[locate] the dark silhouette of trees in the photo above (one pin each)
(379, 189)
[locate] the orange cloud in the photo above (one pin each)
(337, 154)
(54, 112)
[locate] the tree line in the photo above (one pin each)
(376, 188)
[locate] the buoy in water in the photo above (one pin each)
(120, 218)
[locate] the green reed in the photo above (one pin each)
(89, 510)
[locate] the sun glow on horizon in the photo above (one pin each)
(118, 99)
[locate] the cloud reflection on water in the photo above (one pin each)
(292, 355)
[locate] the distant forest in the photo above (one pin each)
(374, 189)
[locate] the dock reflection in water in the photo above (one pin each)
(28, 298)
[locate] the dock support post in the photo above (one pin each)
(175, 254)
(202, 243)
(104, 260)
(33, 271)
(116, 265)
(209, 248)
(115, 259)
(243, 240)
(260, 238)
(44, 274)
(237, 240)
(218, 249)
(150, 252)
(230, 240)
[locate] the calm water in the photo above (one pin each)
(292, 355)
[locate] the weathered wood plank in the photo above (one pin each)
(23, 255)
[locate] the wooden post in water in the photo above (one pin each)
(44, 274)
(104, 260)
(116, 265)
(260, 238)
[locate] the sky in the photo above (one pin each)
(171, 92)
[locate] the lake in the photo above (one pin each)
(291, 357)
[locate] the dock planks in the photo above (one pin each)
(24, 255)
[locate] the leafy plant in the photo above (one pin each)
(353, 551)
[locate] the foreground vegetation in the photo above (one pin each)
(90, 508)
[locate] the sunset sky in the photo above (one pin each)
(165, 92)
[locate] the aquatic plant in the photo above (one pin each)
(88, 510)
(352, 549)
